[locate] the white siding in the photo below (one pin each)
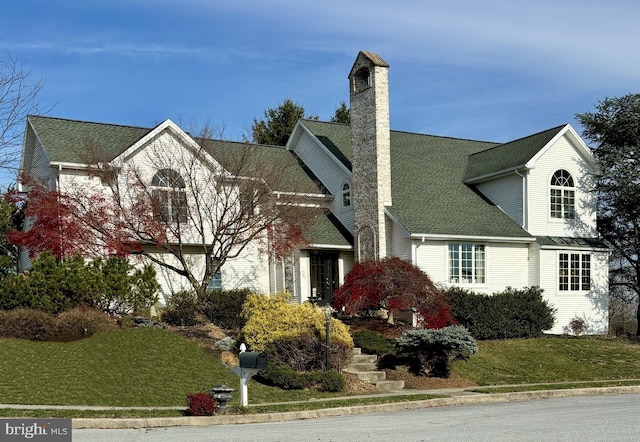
(591, 306)
(398, 242)
(506, 193)
(250, 270)
(562, 155)
(39, 166)
(330, 174)
(506, 265)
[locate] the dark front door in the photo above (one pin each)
(324, 276)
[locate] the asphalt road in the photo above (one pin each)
(592, 418)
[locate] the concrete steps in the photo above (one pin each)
(365, 367)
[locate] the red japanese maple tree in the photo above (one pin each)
(392, 284)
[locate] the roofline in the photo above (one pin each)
(576, 247)
(300, 123)
(570, 131)
(327, 246)
(492, 175)
(440, 237)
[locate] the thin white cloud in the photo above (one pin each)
(121, 49)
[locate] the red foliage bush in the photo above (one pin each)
(201, 404)
(392, 284)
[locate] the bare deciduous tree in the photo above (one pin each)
(191, 204)
(18, 98)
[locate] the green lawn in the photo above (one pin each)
(135, 367)
(552, 359)
(154, 367)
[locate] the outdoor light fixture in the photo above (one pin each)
(328, 312)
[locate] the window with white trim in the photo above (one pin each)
(346, 195)
(562, 195)
(574, 273)
(169, 196)
(216, 279)
(467, 263)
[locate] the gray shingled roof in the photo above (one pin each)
(508, 156)
(427, 179)
(67, 141)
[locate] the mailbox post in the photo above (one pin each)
(250, 364)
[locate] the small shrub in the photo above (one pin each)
(23, 323)
(181, 309)
(282, 376)
(329, 381)
(429, 351)
(81, 322)
(373, 343)
(576, 326)
(201, 404)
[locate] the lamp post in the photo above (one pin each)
(328, 312)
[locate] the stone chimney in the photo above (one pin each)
(371, 168)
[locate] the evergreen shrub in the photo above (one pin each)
(282, 376)
(329, 381)
(504, 315)
(429, 351)
(112, 285)
(373, 343)
(224, 307)
(182, 309)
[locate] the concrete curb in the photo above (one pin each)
(479, 398)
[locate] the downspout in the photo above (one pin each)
(524, 196)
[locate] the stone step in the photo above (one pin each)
(358, 359)
(369, 376)
(364, 366)
(389, 385)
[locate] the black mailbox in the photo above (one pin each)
(250, 359)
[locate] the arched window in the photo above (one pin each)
(169, 196)
(346, 195)
(563, 195)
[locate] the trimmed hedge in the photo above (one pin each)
(503, 315)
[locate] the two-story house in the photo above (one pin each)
(480, 215)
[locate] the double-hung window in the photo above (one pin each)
(216, 279)
(574, 273)
(467, 263)
(562, 195)
(169, 196)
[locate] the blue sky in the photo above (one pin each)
(489, 70)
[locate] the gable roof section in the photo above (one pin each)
(336, 137)
(65, 141)
(508, 156)
(429, 195)
(327, 232)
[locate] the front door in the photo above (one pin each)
(324, 276)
